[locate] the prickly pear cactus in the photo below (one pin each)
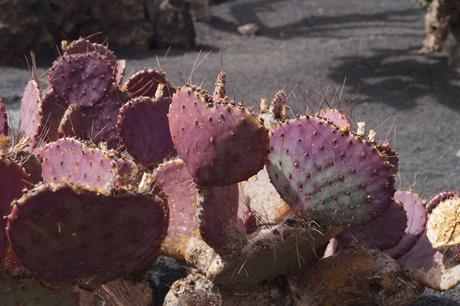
(183, 199)
(30, 114)
(383, 232)
(82, 79)
(76, 234)
(70, 161)
(416, 219)
(83, 45)
(218, 218)
(144, 83)
(331, 176)
(13, 181)
(144, 129)
(53, 110)
(220, 143)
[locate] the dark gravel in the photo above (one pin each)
(310, 47)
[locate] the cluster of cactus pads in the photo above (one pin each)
(104, 175)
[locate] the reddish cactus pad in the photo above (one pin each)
(53, 110)
(65, 234)
(82, 79)
(28, 292)
(218, 216)
(416, 220)
(333, 177)
(382, 233)
(13, 181)
(220, 143)
(144, 129)
(182, 196)
(30, 114)
(73, 123)
(3, 119)
(70, 161)
(101, 122)
(144, 83)
(83, 45)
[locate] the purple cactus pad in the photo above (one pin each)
(102, 121)
(333, 177)
(382, 233)
(182, 196)
(221, 143)
(83, 45)
(82, 79)
(53, 109)
(144, 129)
(73, 123)
(144, 83)
(12, 183)
(69, 161)
(30, 114)
(416, 216)
(65, 234)
(218, 215)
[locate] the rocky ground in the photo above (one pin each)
(368, 48)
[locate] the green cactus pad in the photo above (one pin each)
(333, 177)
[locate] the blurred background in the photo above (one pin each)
(393, 64)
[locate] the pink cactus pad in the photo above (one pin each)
(30, 114)
(145, 83)
(144, 129)
(82, 79)
(381, 233)
(12, 182)
(221, 143)
(64, 233)
(416, 220)
(182, 196)
(70, 161)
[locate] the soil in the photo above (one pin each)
(315, 48)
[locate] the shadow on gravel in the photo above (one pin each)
(333, 26)
(399, 77)
(432, 300)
